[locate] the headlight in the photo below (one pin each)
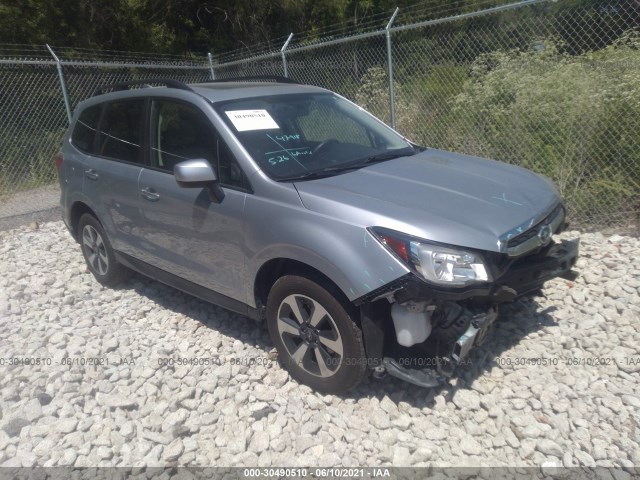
(435, 263)
(444, 265)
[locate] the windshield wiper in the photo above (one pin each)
(382, 157)
(309, 175)
(330, 171)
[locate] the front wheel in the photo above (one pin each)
(318, 342)
(98, 253)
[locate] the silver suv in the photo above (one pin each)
(286, 202)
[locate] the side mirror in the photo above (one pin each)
(194, 173)
(198, 173)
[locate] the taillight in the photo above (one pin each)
(58, 160)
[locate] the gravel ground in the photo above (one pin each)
(579, 405)
(40, 204)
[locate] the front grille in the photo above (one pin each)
(520, 239)
(533, 231)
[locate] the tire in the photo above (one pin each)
(317, 340)
(98, 253)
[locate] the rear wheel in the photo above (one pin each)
(98, 253)
(318, 342)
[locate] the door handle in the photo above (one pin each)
(91, 174)
(150, 194)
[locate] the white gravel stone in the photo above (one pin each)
(157, 437)
(495, 413)
(535, 430)
(380, 421)
(584, 458)
(259, 442)
(32, 410)
(550, 468)
(67, 425)
(175, 419)
(310, 428)
(128, 430)
(68, 458)
(470, 446)
(549, 447)
(104, 453)
(631, 401)
(173, 451)
(115, 401)
(401, 456)
(466, 400)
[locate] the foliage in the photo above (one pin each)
(96, 24)
(186, 26)
(175, 26)
(572, 118)
(561, 96)
(373, 95)
(17, 174)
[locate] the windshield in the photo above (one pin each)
(299, 136)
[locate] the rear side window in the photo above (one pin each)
(121, 131)
(84, 133)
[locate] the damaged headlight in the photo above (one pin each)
(435, 263)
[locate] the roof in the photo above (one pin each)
(221, 91)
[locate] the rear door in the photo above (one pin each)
(77, 159)
(111, 173)
(186, 233)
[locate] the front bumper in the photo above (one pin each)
(530, 273)
(522, 276)
(519, 277)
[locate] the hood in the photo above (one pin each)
(440, 196)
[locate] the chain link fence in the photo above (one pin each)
(554, 87)
(551, 86)
(35, 85)
(32, 121)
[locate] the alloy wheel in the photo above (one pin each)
(310, 335)
(95, 249)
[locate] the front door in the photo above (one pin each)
(186, 232)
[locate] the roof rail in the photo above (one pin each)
(275, 78)
(116, 87)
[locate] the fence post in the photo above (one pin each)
(213, 73)
(284, 59)
(392, 100)
(63, 85)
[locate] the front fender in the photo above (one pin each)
(347, 254)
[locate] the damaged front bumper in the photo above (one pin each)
(529, 274)
(520, 277)
(474, 309)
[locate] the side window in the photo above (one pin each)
(84, 133)
(121, 131)
(181, 132)
(229, 172)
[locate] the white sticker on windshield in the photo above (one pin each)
(245, 120)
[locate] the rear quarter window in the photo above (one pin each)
(84, 132)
